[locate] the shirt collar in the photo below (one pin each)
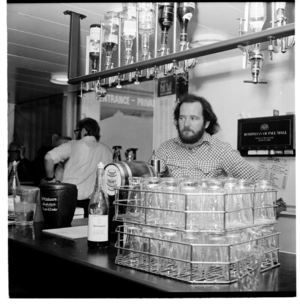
(205, 138)
(88, 138)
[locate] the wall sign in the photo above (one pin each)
(166, 86)
(266, 135)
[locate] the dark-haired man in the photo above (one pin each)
(196, 152)
(82, 156)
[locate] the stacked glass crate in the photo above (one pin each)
(197, 230)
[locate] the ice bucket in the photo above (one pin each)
(58, 203)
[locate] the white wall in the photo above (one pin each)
(221, 83)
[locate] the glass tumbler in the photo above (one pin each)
(191, 202)
(171, 200)
(270, 243)
(135, 200)
(237, 252)
(214, 200)
(217, 253)
(149, 245)
(153, 200)
(264, 200)
(168, 248)
(132, 243)
(191, 251)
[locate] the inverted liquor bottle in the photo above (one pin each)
(129, 28)
(98, 219)
(146, 25)
(165, 20)
(185, 13)
(94, 47)
(110, 41)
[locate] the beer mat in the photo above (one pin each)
(71, 233)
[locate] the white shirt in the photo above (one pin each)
(83, 156)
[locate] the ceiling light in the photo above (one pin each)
(60, 78)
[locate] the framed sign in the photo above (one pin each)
(166, 86)
(266, 135)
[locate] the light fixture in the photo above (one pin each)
(59, 78)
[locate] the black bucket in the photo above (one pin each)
(58, 203)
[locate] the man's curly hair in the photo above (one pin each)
(208, 112)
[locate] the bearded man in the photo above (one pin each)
(197, 152)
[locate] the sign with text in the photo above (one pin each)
(166, 86)
(129, 101)
(274, 132)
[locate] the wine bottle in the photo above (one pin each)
(185, 12)
(13, 180)
(98, 219)
(95, 46)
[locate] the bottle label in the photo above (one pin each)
(95, 40)
(129, 28)
(112, 179)
(187, 16)
(98, 228)
(112, 38)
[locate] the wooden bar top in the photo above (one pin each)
(46, 266)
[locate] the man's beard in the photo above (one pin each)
(190, 139)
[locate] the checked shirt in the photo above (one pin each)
(212, 158)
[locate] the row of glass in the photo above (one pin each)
(196, 204)
(198, 256)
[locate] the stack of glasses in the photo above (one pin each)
(197, 230)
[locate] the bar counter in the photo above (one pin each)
(46, 266)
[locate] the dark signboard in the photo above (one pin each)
(266, 133)
(166, 86)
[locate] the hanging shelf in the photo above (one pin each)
(245, 40)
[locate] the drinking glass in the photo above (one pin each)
(131, 243)
(135, 200)
(168, 248)
(215, 204)
(246, 201)
(191, 202)
(215, 254)
(237, 251)
(270, 244)
(251, 281)
(191, 251)
(264, 200)
(149, 245)
(153, 199)
(170, 186)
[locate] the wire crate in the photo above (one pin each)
(192, 253)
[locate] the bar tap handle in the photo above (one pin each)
(137, 77)
(81, 85)
(271, 48)
(118, 86)
(155, 73)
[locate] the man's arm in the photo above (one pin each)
(49, 167)
(236, 166)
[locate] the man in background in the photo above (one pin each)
(81, 156)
